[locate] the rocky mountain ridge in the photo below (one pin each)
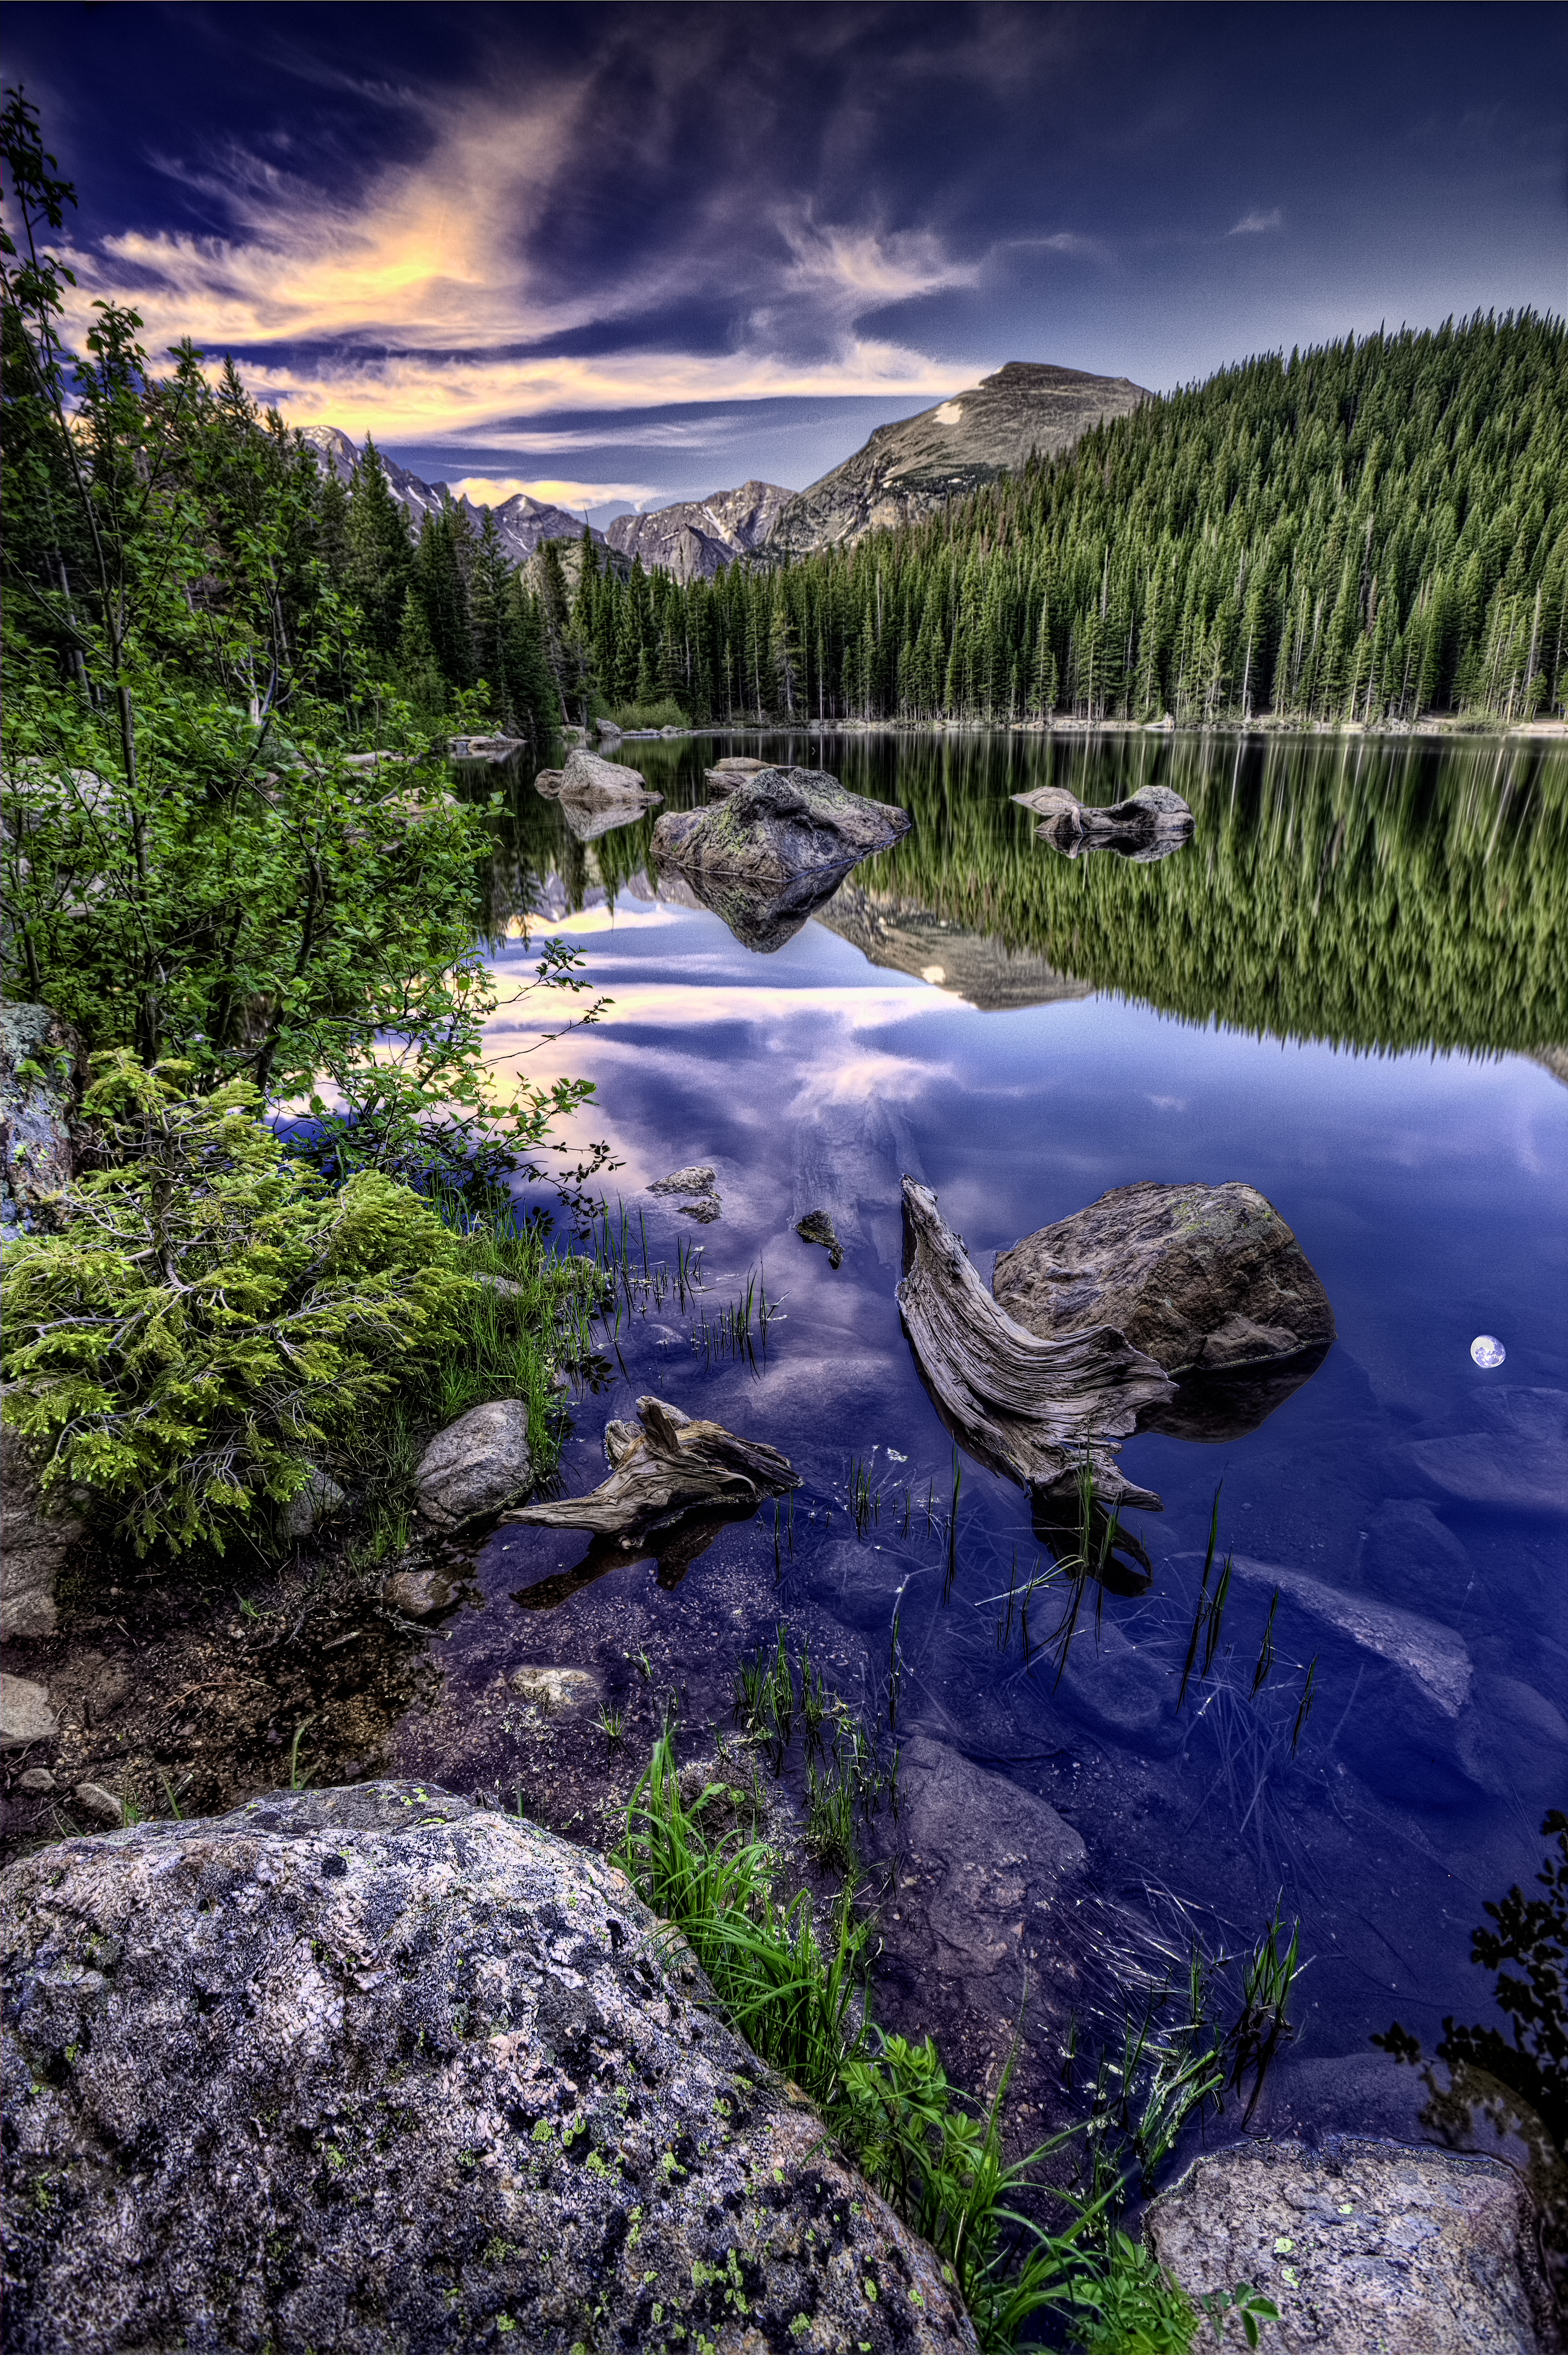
(908, 469)
(697, 539)
(522, 522)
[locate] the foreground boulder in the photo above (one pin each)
(39, 1059)
(1204, 1278)
(1362, 2245)
(477, 1466)
(1149, 826)
(1034, 1408)
(35, 1538)
(663, 1465)
(372, 2068)
(776, 825)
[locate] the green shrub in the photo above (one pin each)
(667, 713)
(208, 1311)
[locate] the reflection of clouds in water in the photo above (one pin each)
(1169, 1103)
(850, 1153)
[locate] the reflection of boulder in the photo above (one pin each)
(906, 938)
(1147, 826)
(592, 787)
(1215, 1408)
(1198, 1276)
(762, 917)
(778, 826)
(1037, 1409)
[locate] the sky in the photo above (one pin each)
(618, 256)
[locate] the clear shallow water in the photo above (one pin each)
(1257, 1007)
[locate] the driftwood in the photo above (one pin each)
(1029, 1406)
(1147, 826)
(672, 1464)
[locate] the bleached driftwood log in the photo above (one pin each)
(1027, 1406)
(671, 1466)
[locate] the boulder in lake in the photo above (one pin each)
(778, 825)
(1036, 1408)
(375, 2067)
(724, 776)
(1149, 826)
(477, 1466)
(1362, 2244)
(1206, 1279)
(663, 1465)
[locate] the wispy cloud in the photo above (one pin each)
(1254, 223)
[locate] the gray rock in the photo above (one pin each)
(34, 1544)
(38, 1782)
(1515, 1453)
(1196, 1276)
(1148, 826)
(25, 1713)
(778, 825)
(371, 2068)
(39, 1057)
(705, 1210)
(1362, 2246)
(94, 1800)
(724, 776)
(315, 1504)
(1433, 1660)
(477, 1466)
(419, 1593)
(697, 1179)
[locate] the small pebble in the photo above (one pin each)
(94, 1800)
(37, 1779)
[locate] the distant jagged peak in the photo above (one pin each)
(696, 539)
(522, 521)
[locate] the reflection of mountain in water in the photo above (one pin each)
(889, 931)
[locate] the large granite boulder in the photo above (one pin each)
(38, 1058)
(776, 825)
(371, 2068)
(477, 1466)
(1202, 1278)
(36, 1536)
(1362, 2245)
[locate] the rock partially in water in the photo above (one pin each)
(1200, 1277)
(372, 2067)
(699, 1178)
(776, 826)
(724, 776)
(26, 1716)
(1362, 2245)
(816, 1227)
(419, 1593)
(1034, 1408)
(596, 795)
(477, 1466)
(36, 1536)
(1149, 826)
(669, 1467)
(1515, 1453)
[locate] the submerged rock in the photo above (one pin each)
(419, 1593)
(698, 1181)
(477, 1466)
(1362, 2244)
(1149, 826)
(1034, 1408)
(669, 1467)
(816, 1227)
(1515, 1453)
(374, 2067)
(1201, 1277)
(777, 825)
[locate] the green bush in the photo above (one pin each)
(667, 713)
(208, 1313)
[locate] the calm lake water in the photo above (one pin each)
(1346, 992)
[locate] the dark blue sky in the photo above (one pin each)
(635, 254)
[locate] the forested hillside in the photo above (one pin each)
(1372, 530)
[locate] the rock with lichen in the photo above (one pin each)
(377, 2067)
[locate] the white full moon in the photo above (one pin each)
(1487, 1351)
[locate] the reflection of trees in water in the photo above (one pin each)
(1381, 894)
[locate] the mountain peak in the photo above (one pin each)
(521, 521)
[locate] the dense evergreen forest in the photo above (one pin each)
(1369, 531)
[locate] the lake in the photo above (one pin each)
(1350, 990)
